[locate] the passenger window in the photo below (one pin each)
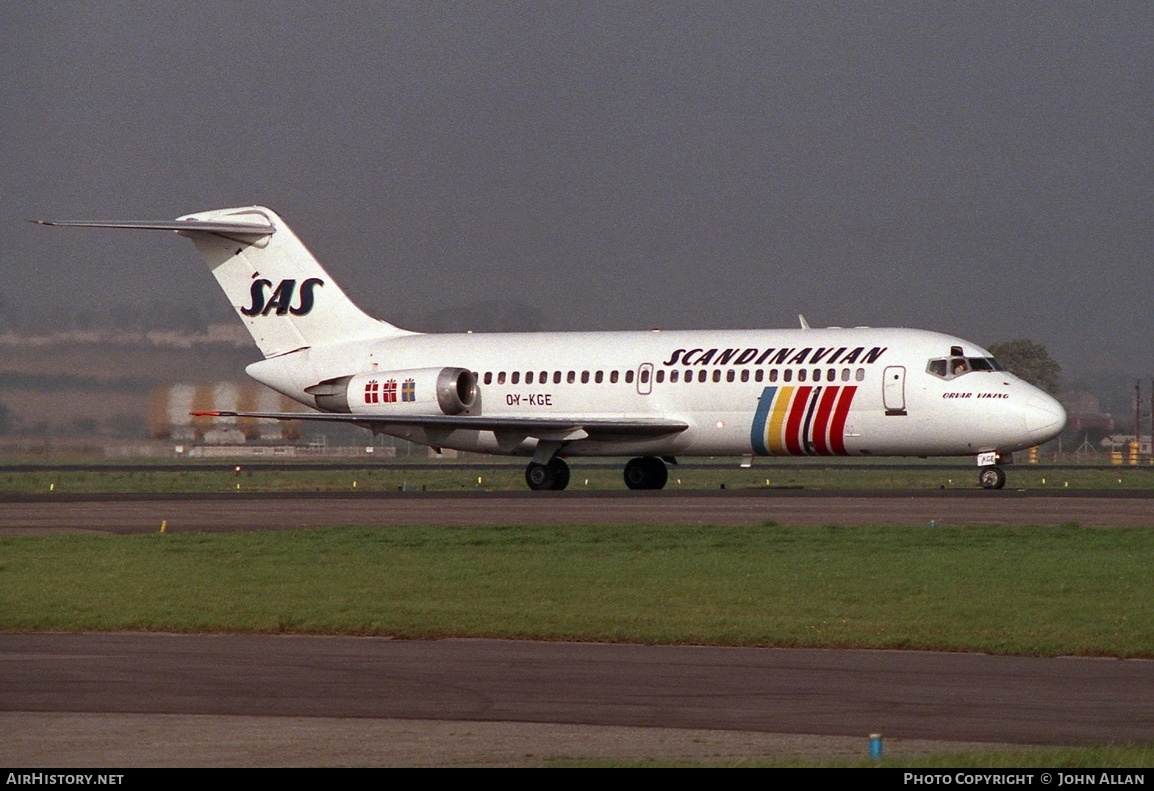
(571, 377)
(501, 378)
(528, 377)
(556, 377)
(845, 374)
(831, 375)
(801, 375)
(488, 377)
(613, 377)
(515, 377)
(787, 375)
(660, 376)
(701, 375)
(584, 377)
(745, 375)
(673, 376)
(644, 376)
(717, 375)
(773, 375)
(599, 377)
(758, 375)
(860, 374)
(629, 377)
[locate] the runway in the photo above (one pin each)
(22, 514)
(909, 697)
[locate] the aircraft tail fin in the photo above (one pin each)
(281, 293)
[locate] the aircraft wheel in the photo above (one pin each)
(540, 477)
(658, 473)
(635, 474)
(560, 472)
(646, 472)
(992, 477)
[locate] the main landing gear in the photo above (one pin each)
(553, 476)
(991, 477)
(646, 472)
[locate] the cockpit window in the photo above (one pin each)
(953, 367)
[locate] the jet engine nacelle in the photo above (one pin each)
(416, 391)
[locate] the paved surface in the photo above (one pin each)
(146, 699)
(134, 740)
(236, 682)
(141, 513)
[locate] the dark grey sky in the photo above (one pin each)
(983, 169)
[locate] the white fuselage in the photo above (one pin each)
(859, 392)
(820, 392)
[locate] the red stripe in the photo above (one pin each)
(837, 427)
(796, 415)
(821, 422)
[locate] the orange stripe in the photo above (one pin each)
(780, 410)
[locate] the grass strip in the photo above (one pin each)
(1005, 590)
(585, 476)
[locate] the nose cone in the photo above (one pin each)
(1045, 418)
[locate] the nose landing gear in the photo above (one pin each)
(991, 477)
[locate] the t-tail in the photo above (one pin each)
(280, 292)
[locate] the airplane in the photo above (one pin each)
(656, 396)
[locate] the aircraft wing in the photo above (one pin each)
(551, 428)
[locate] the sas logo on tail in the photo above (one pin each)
(281, 298)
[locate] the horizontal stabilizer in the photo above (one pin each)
(206, 226)
(285, 298)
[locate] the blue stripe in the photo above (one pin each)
(757, 432)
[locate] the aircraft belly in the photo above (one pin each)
(932, 432)
(468, 440)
